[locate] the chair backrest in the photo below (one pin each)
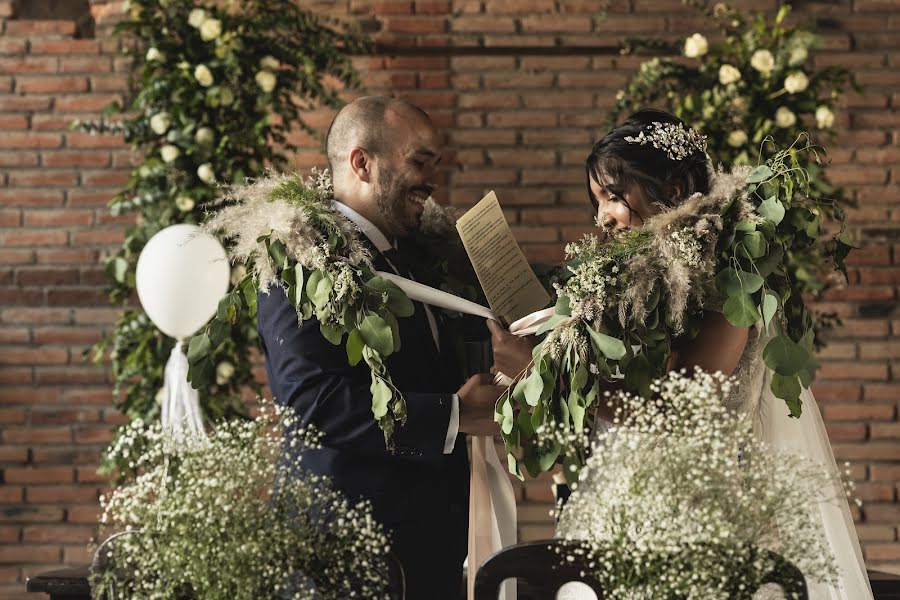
(541, 565)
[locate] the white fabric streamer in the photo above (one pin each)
(180, 402)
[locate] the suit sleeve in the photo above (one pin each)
(314, 377)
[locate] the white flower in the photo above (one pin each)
(160, 122)
(696, 46)
(763, 61)
(205, 136)
(184, 203)
(197, 17)
(210, 29)
(206, 174)
(237, 274)
(203, 75)
(155, 55)
(737, 138)
(796, 82)
(824, 117)
(798, 56)
(224, 371)
(728, 74)
(785, 117)
(266, 81)
(269, 62)
(169, 153)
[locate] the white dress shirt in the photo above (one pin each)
(381, 243)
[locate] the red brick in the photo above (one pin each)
(83, 514)
(39, 475)
(70, 375)
(557, 23)
(37, 28)
(24, 103)
(483, 24)
(27, 178)
(13, 122)
(29, 554)
(858, 412)
(67, 335)
(90, 103)
(18, 159)
(27, 237)
(59, 534)
(866, 451)
(29, 64)
(853, 370)
(16, 139)
(65, 47)
(79, 158)
(51, 85)
(85, 64)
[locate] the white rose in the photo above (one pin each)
(184, 203)
(197, 17)
(237, 274)
(210, 29)
(224, 371)
(785, 117)
(203, 75)
(266, 81)
(169, 153)
(728, 74)
(737, 138)
(696, 46)
(798, 56)
(824, 117)
(763, 61)
(796, 82)
(155, 55)
(205, 136)
(270, 63)
(206, 174)
(160, 122)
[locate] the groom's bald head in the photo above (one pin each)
(369, 123)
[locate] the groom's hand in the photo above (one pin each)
(477, 398)
(512, 353)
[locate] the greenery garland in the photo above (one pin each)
(751, 248)
(285, 230)
(215, 91)
(755, 81)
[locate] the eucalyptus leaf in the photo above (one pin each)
(354, 347)
(198, 347)
(772, 209)
(755, 244)
(609, 346)
(784, 356)
(740, 310)
(331, 332)
(760, 174)
(548, 455)
(788, 389)
(769, 308)
(534, 386)
(381, 396)
(376, 334)
(733, 282)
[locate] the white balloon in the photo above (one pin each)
(182, 273)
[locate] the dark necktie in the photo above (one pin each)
(397, 261)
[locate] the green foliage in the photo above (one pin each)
(761, 264)
(215, 90)
(755, 82)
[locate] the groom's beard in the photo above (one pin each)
(392, 200)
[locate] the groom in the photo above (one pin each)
(384, 155)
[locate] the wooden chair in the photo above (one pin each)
(540, 566)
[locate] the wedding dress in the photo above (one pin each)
(805, 437)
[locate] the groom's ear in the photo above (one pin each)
(361, 164)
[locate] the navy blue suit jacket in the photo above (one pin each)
(419, 493)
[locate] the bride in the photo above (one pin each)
(634, 173)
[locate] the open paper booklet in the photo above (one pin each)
(510, 286)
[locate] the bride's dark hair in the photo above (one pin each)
(628, 164)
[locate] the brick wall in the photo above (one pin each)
(521, 89)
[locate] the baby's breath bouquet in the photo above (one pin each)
(680, 500)
(749, 249)
(218, 518)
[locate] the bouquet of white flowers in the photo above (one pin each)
(217, 517)
(680, 500)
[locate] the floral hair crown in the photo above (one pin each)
(675, 139)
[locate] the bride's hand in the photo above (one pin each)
(511, 353)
